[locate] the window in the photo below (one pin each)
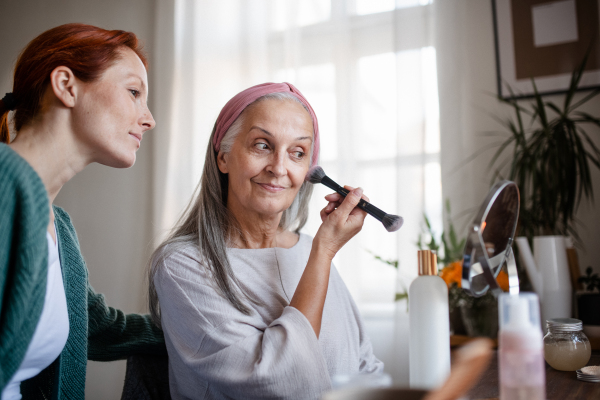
(369, 70)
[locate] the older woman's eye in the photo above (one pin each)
(261, 146)
(135, 93)
(298, 154)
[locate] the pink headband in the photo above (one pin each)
(240, 101)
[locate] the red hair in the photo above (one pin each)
(87, 50)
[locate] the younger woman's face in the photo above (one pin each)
(112, 115)
(269, 158)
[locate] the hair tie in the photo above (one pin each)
(10, 103)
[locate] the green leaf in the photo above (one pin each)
(427, 222)
(555, 108)
(540, 109)
(401, 296)
(393, 263)
(587, 98)
(575, 78)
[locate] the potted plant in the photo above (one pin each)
(550, 159)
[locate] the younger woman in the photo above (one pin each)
(79, 96)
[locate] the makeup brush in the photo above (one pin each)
(391, 222)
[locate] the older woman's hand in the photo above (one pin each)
(342, 219)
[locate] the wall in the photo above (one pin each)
(467, 89)
(111, 209)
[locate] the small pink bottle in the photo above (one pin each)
(521, 348)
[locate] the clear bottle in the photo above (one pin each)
(521, 352)
(429, 326)
(566, 348)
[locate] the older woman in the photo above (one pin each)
(251, 308)
(79, 97)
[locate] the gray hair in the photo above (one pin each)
(209, 225)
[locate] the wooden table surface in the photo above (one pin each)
(560, 385)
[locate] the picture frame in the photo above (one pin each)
(545, 40)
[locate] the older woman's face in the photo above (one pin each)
(269, 158)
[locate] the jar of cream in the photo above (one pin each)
(566, 348)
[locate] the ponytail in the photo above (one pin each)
(4, 134)
(6, 104)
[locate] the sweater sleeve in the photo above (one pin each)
(114, 335)
(215, 350)
(369, 364)
(24, 217)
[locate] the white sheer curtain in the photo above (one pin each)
(368, 67)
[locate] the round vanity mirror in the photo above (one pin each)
(489, 242)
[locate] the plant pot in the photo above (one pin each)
(548, 271)
(457, 327)
(588, 308)
(480, 320)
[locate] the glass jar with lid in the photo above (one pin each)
(566, 348)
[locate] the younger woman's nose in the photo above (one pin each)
(147, 120)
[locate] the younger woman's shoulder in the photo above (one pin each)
(23, 198)
(19, 177)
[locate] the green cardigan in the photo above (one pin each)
(97, 332)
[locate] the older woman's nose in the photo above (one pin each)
(277, 164)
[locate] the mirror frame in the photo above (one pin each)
(475, 248)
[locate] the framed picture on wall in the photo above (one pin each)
(545, 40)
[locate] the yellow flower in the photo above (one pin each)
(502, 280)
(452, 273)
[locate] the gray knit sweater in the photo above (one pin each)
(216, 352)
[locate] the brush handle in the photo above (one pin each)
(362, 204)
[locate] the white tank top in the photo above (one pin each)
(52, 329)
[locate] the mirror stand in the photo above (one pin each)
(489, 243)
(513, 275)
(486, 266)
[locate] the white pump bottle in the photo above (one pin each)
(429, 326)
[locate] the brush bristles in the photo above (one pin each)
(392, 222)
(315, 175)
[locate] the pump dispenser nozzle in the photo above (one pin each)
(519, 312)
(427, 262)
